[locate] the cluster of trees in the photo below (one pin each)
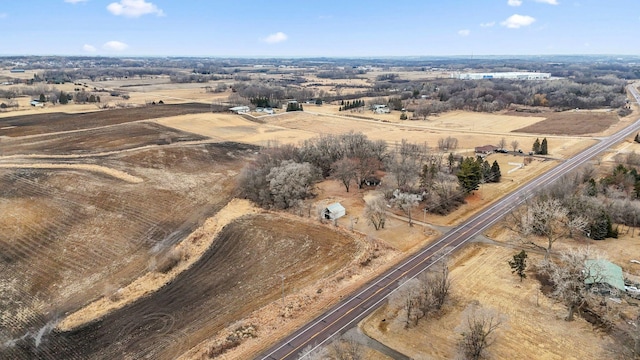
(348, 105)
(421, 297)
(349, 157)
(494, 95)
(352, 158)
(540, 148)
(260, 101)
(267, 93)
(579, 205)
(340, 73)
(276, 180)
(474, 172)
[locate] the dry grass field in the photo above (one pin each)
(534, 329)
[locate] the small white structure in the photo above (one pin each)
(502, 75)
(36, 103)
(381, 109)
(412, 197)
(334, 211)
(240, 109)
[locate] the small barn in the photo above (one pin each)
(334, 211)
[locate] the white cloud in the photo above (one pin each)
(115, 46)
(550, 2)
(514, 2)
(464, 32)
(134, 8)
(276, 38)
(89, 48)
(488, 24)
(74, 1)
(516, 21)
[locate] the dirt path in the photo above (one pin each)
(106, 153)
(121, 175)
(191, 248)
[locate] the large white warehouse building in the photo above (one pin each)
(502, 75)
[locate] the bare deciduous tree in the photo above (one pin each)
(421, 297)
(346, 349)
(375, 211)
(547, 218)
(514, 145)
(406, 202)
(447, 144)
(478, 329)
(502, 143)
(345, 171)
(290, 182)
(570, 275)
(405, 163)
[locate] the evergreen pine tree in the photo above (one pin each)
(451, 160)
(469, 175)
(536, 146)
(63, 98)
(543, 147)
(519, 264)
(42, 98)
(495, 172)
(486, 172)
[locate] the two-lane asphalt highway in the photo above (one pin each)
(355, 307)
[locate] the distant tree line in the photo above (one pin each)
(348, 105)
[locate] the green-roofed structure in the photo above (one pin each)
(604, 272)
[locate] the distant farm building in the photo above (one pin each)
(240, 109)
(502, 75)
(17, 70)
(485, 150)
(381, 109)
(36, 103)
(334, 211)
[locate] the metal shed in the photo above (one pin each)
(604, 272)
(334, 211)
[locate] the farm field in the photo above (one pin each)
(97, 199)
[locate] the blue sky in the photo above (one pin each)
(319, 28)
